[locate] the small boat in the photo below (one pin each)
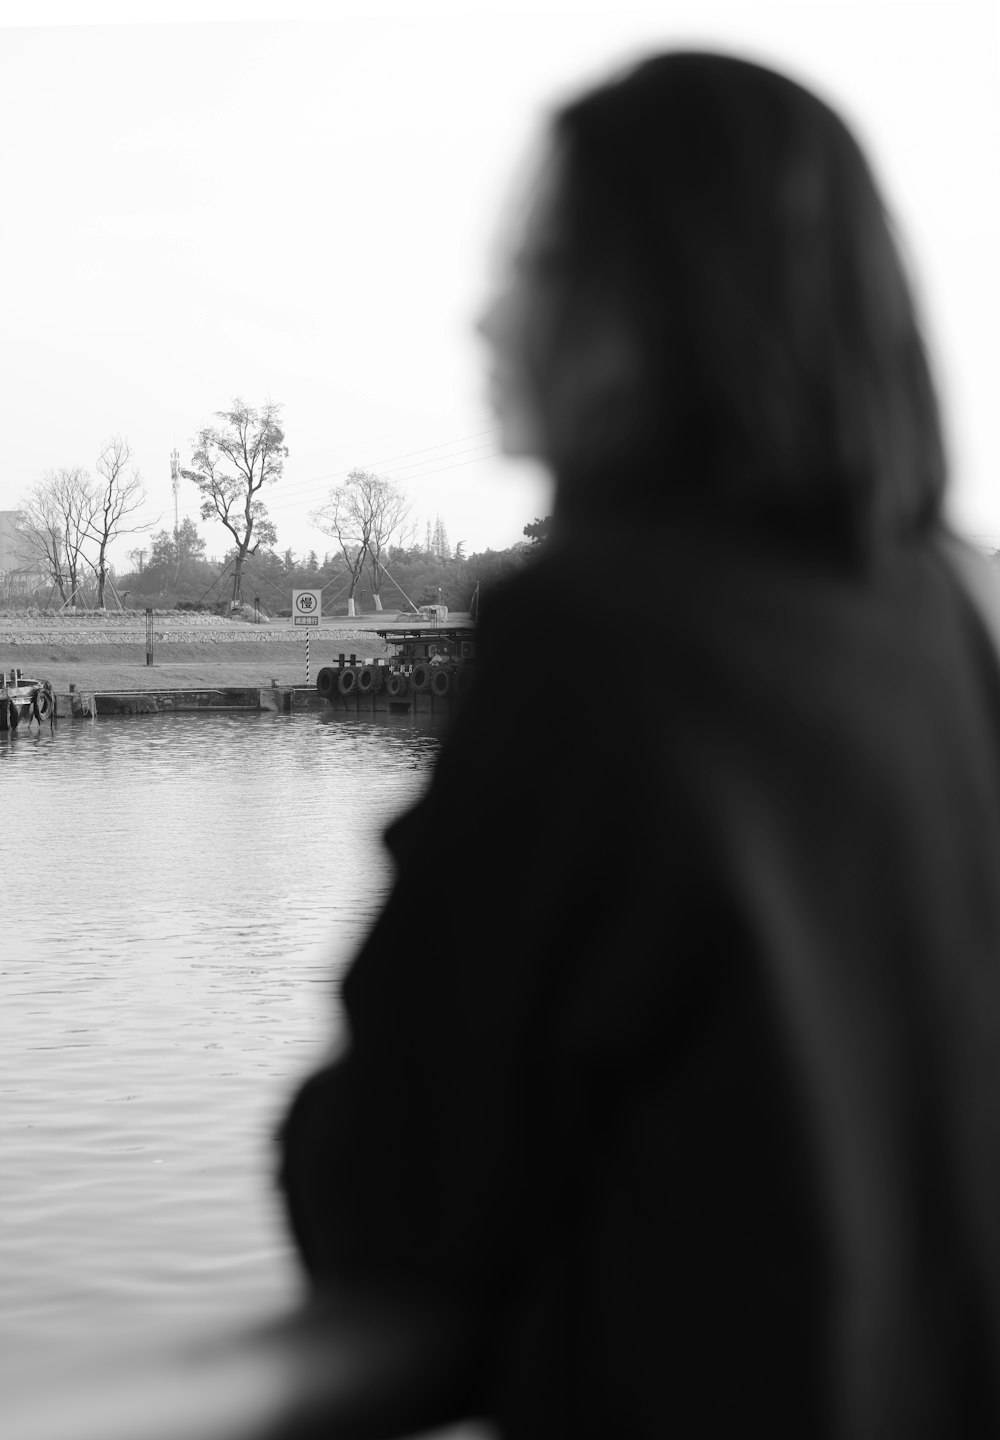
(22, 699)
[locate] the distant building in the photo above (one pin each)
(20, 572)
(10, 541)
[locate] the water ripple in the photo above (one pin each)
(186, 893)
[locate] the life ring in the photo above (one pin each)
(396, 684)
(420, 677)
(326, 680)
(347, 681)
(441, 683)
(369, 680)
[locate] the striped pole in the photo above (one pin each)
(307, 659)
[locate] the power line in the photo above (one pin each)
(332, 475)
(440, 469)
(473, 435)
(400, 455)
(298, 493)
(302, 490)
(456, 440)
(282, 502)
(304, 487)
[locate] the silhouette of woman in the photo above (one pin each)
(683, 1113)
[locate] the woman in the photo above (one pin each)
(683, 1112)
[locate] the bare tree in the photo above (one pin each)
(388, 507)
(232, 463)
(56, 518)
(116, 496)
(74, 494)
(346, 518)
(39, 524)
(363, 514)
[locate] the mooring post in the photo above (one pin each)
(149, 637)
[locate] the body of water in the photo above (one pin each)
(179, 895)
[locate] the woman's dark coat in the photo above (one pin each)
(675, 1053)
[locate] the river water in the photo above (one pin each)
(179, 895)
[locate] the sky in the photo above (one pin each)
(307, 210)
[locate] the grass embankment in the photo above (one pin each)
(98, 655)
(175, 667)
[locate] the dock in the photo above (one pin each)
(96, 704)
(87, 704)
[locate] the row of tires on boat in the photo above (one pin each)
(362, 680)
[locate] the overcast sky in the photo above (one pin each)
(306, 210)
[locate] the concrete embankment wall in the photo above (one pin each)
(84, 704)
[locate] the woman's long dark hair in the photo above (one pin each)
(719, 225)
(728, 220)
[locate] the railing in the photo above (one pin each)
(350, 1372)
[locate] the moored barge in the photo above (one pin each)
(427, 673)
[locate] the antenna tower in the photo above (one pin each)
(175, 476)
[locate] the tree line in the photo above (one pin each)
(169, 576)
(69, 520)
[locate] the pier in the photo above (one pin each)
(96, 704)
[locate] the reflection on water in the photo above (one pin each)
(177, 893)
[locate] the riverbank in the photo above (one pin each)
(124, 667)
(109, 652)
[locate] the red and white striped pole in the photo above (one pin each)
(307, 659)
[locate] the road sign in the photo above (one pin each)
(307, 607)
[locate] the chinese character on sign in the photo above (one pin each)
(307, 606)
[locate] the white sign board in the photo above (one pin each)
(307, 607)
